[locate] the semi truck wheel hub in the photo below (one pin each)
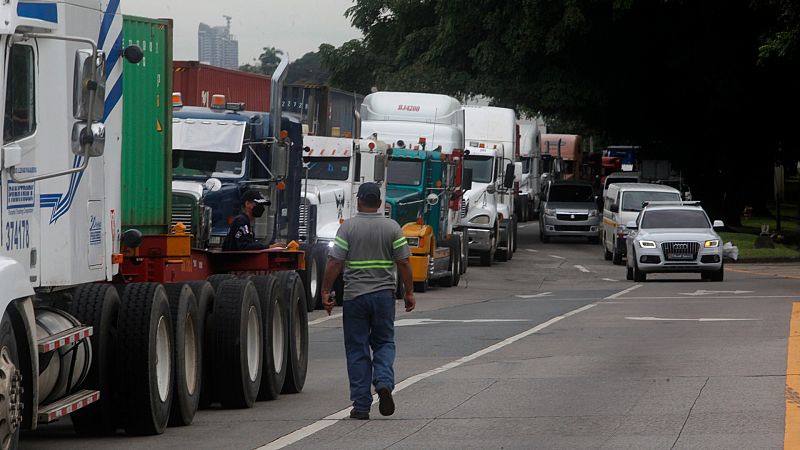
(10, 399)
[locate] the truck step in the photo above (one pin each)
(68, 405)
(66, 337)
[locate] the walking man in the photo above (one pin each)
(368, 247)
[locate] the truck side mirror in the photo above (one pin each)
(89, 76)
(466, 180)
(379, 172)
(508, 180)
(614, 208)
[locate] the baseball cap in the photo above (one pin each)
(254, 196)
(369, 190)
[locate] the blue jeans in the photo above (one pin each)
(369, 323)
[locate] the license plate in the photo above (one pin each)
(681, 256)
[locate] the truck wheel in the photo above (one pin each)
(188, 361)
(502, 255)
(237, 342)
(455, 251)
(276, 336)
(204, 294)
(145, 358)
(97, 305)
(421, 286)
(218, 279)
(298, 332)
(514, 235)
(10, 386)
(312, 278)
(459, 262)
(486, 258)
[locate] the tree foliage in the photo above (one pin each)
(678, 76)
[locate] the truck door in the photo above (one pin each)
(19, 222)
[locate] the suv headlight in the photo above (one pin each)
(714, 243)
(481, 219)
(593, 213)
(549, 212)
(647, 244)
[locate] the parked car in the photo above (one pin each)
(676, 238)
(569, 209)
(622, 204)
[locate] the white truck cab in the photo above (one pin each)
(491, 138)
(530, 181)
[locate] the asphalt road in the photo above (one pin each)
(551, 350)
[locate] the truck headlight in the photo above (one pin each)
(481, 219)
(387, 210)
(714, 243)
(647, 244)
(549, 212)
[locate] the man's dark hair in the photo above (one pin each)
(371, 202)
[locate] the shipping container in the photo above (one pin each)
(147, 125)
(323, 110)
(197, 82)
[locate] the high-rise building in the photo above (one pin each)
(217, 46)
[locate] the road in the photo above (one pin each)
(552, 350)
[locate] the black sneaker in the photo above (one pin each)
(359, 415)
(386, 402)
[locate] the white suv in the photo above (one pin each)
(674, 237)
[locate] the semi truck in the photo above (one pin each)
(116, 326)
(424, 196)
(487, 210)
(527, 206)
(404, 119)
(334, 169)
(566, 148)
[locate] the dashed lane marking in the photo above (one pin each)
(324, 319)
(556, 257)
(626, 291)
(583, 269)
(531, 250)
(610, 279)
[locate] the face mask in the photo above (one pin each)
(258, 210)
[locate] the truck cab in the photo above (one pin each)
(530, 182)
(423, 195)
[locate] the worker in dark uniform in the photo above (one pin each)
(241, 236)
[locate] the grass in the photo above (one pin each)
(745, 243)
(789, 222)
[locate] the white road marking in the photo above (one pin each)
(413, 322)
(556, 257)
(324, 319)
(332, 419)
(662, 319)
(522, 226)
(583, 269)
(720, 297)
(621, 293)
(610, 279)
(543, 294)
(703, 292)
(531, 250)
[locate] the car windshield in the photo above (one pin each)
(632, 200)
(570, 194)
(188, 163)
(675, 218)
(404, 172)
(482, 168)
(329, 169)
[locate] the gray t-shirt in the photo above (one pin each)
(369, 244)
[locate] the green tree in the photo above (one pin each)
(308, 70)
(266, 63)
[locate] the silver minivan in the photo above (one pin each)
(621, 205)
(569, 208)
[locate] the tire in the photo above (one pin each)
(9, 361)
(145, 358)
(719, 275)
(486, 258)
(298, 333)
(629, 273)
(204, 295)
(459, 260)
(276, 336)
(455, 252)
(514, 234)
(217, 280)
(616, 257)
(638, 275)
(188, 357)
(312, 278)
(594, 240)
(97, 305)
(421, 286)
(542, 237)
(237, 343)
(502, 255)
(607, 255)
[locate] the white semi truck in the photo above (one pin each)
(335, 168)
(487, 210)
(530, 183)
(416, 121)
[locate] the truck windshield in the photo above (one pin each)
(404, 172)
(482, 168)
(632, 200)
(675, 218)
(188, 163)
(329, 169)
(570, 194)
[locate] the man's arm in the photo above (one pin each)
(407, 278)
(332, 271)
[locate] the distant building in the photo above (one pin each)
(217, 46)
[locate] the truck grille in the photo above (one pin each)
(182, 213)
(573, 217)
(680, 251)
(463, 208)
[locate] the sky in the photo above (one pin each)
(294, 26)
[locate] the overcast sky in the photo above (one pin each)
(294, 26)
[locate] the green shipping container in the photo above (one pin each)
(147, 125)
